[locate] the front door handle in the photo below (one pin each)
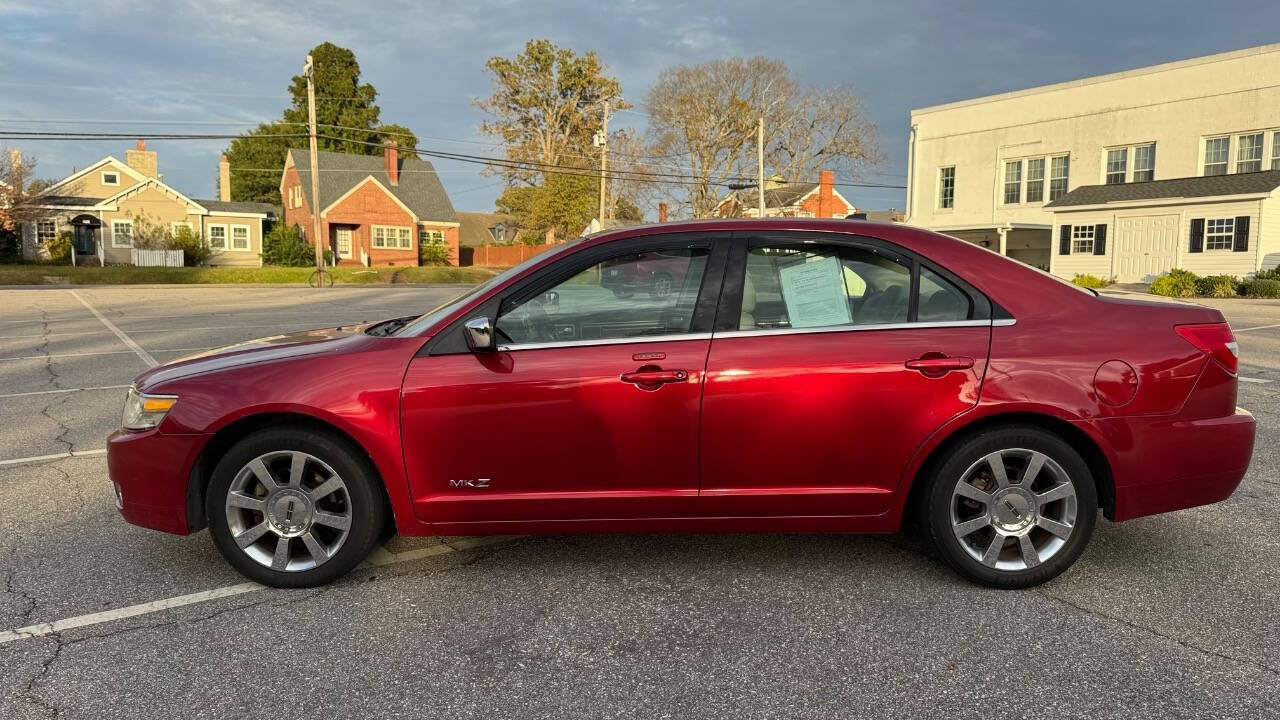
(652, 379)
(937, 364)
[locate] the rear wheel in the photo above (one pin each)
(1012, 507)
(294, 508)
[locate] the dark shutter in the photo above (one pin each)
(1100, 239)
(1197, 235)
(1241, 243)
(1064, 240)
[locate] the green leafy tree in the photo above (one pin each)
(563, 204)
(348, 120)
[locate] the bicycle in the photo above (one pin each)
(320, 278)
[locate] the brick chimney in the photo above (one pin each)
(18, 177)
(142, 160)
(662, 212)
(224, 179)
(826, 182)
(391, 161)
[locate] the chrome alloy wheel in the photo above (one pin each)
(288, 510)
(1013, 509)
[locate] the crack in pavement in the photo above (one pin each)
(1135, 626)
(29, 690)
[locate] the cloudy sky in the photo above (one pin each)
(134, 66)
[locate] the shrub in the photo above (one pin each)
(1177, 283)
(1264, 288)
(1272, 274)
(150, 234)
(433, 254)
(1091, 281)
(284, 245)
(10, 244)
(1218, 286)
(195, 251)
(60, 248)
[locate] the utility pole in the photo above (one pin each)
(602, 141)
(760, 164)
(310, 71)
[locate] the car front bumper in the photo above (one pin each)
(1165, 464)
(151, 472)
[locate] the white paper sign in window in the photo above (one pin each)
(814, 293)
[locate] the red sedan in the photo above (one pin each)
(802, 376)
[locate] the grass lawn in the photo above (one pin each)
(130, 275)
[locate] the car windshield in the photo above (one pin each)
(425, 321)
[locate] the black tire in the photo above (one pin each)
(367, 504)
(938, 503)
(621, 294)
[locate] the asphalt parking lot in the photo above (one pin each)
(1168, 616)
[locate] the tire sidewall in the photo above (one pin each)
(936, 509)
(368, 512)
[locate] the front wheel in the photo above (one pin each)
(294, 508)
(1011, 508)
(320, 278)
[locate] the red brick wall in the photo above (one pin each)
(368, 206)
(838, 208)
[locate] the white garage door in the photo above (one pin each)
(1146, 246)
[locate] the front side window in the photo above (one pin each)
(637, 295)
(1215, 155)
(46, 231)
(1117, 164)
(1249, 153)
(1219, 234)
(121, 233)
(946, 188)
(218, 237)
(1082, 239)
(1013, 182)
(1035, 180)
(1144, 163)
(1059, 173)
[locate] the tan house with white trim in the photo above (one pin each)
(102, 203)
(991, 170)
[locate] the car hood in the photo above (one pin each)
(249, 352)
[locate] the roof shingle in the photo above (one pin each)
(419, 187)
(1189, 187)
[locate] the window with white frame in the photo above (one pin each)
(1082, 239)
(1249, 153)
(177, 226)
(1059, 174)
(1117, 165)
(946, 188)
(1219, 234)
(218, 237)
(46, 231)
(1035, 180)
(110, 177)
(392, 238)
(1144, 163)
(1216, 152)
(1275, 150)
(1013, 182)
(430, 237)
(240, 237)
(122, 233)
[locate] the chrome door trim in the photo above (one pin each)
(853, 328)
(640, 340)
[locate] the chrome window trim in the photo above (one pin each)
(608, 341)
(1007, 322)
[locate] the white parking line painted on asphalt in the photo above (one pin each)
(62, 390)
(379, 558)
(291, 323)
(1253, 380)
(128, 341)
(55, 456)
(101, 352)
(1256, 327)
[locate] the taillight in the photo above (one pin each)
(1214, 339)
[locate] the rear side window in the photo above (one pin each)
(790, 286)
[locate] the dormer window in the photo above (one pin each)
(110, 178)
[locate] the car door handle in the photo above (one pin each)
(935, 364)
(652, 379)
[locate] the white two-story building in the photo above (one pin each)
(1124, 175)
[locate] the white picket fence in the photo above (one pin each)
(156, 258)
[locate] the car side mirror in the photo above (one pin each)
(479, 332)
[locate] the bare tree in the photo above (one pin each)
(704, 117)
(18, 189)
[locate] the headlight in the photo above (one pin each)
(143, 411)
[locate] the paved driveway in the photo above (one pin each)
(1170, 616)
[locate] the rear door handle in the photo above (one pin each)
(652, 379)
(934, 365)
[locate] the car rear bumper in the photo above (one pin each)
(1164, 464)
(150, 472)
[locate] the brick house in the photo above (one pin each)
(374, 209)
(807, 200)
